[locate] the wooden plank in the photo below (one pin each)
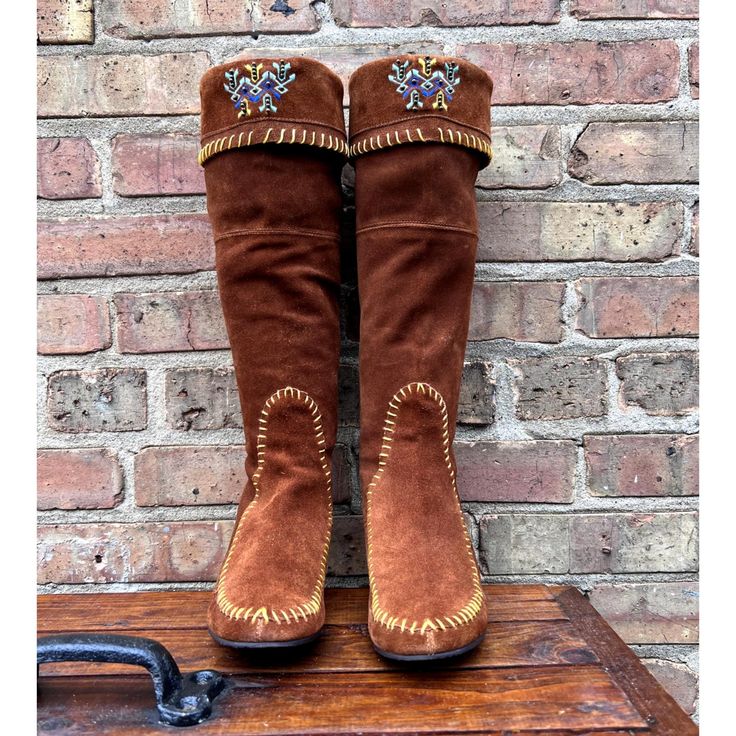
(348, 649)
(525, 611)
(576, 699)
(660, 711)
(550, 666)
(532, 592)
(188, 609)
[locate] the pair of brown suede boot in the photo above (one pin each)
(273, 146)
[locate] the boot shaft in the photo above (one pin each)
(273, 145)
(420, 131)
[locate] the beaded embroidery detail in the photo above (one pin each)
(258, 87)
(437, 86)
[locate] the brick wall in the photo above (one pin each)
(577, 444)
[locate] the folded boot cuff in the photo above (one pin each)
(420, 99)
(250, 102)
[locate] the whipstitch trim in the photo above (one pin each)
(312, 606)
(428, 120)
(397, 138)
(474, 606)
(272, 135)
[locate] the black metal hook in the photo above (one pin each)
(182, 700)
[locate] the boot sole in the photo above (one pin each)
(289, 643)
(430, 657)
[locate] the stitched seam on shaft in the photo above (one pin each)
(312, 606)
(279, 231)
(280, 136)
(275, 119)
(473, 607)
(433, 225)
(445, 136)
(413, 119)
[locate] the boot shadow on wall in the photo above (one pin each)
(347, 551)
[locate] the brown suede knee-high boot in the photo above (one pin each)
(273, 145)
(419, 132)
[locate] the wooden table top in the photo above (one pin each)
(549, 666)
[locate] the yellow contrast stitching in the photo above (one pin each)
(333, 143)
(455, 137)
(474, 606)
(312, 606)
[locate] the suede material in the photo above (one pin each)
(379, 116)
(416, 263)
(310, 109)
(416, 225)
(275, 213)
(276, 564)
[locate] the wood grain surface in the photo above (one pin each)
(549, 665)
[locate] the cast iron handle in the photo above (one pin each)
(182, 700)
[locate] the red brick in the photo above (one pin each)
(388, 13)
(579, 73)
(695, 231)
(189, 475)
(529, 311)
(640, 542)
(344, 60)
(642, 464)
(566, 387)
(579, 231)
(636, 153)
(475, 404)
(72, 323)
(160, 552)
(67, 168)
(202, 475)
(78, 479)
(190, 551)
(595, 9)
(154, 165)
(202, 398)
(693, 65)
(116, 246)
(119, 85)
(164, 18)
(170, 321)
(589, 543)
(528, 472)
(638, 307)
(100, 400)
(65, 21)
(650, 613)
(524, 157)
(677, 679)
(664, 384)
(207, 398)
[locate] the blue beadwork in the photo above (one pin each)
(416, 86)
(258, 86)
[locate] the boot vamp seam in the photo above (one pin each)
(390, 620)
(312, 606)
